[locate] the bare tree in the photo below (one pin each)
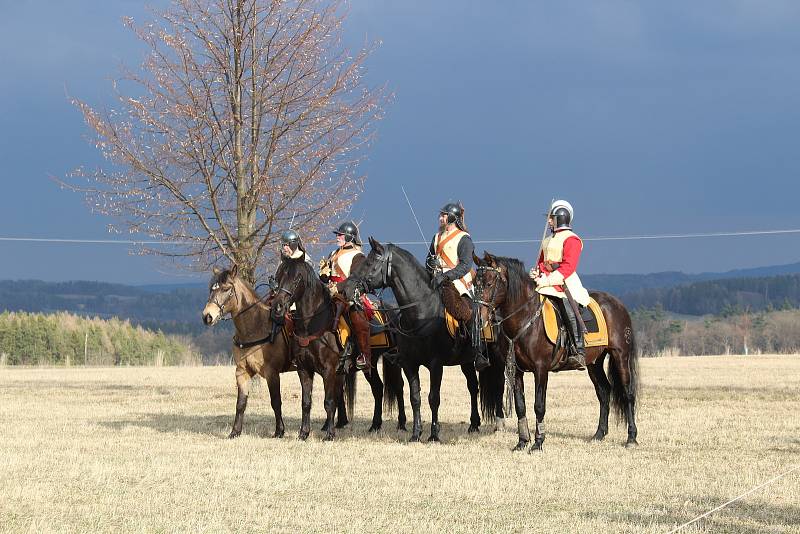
(245, 115)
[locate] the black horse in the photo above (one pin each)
(316, 348)
(508, 294)
(423, 338)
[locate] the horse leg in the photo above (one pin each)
(540, 375)
(243, 376)
(412, 375)
(274, 384)
(401, 403)
(602, 389)
(472, 387)
(341, 414)
(307, 385)
(333, 385)
(434, 399)
(376, 384)
(628, 378)
(519, 406)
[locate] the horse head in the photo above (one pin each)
(491, 284)
(372, 273)
(222, 297)
(290, 284)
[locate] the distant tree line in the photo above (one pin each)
(735, 332)
(67, 339)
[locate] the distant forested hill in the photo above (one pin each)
(620, 284)
(725, 297)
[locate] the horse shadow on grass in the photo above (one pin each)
(263, 427)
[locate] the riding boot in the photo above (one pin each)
(578, 356)
(361, 333)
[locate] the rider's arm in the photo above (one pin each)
(430, 261)
(569, 261)
(465, 250)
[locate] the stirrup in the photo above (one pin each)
(361, 363)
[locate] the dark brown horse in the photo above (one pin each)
(259, 347)
(316, 348)
(508, 294)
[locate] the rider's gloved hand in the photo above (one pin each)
(439, 279)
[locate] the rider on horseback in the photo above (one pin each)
(334, 270)
(450, 263)
(555, 274)
(292, 246)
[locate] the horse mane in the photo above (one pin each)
(412, 260)
(518, 279)
(301, 268)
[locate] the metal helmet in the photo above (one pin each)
(455, 214)
(291, 238)
(561, 212)
(350, 232)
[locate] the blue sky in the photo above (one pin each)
(650, 117)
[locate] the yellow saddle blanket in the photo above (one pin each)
(592, 339)
(379, 338)
(487, 332)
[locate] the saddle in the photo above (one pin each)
(592, 315)
(379, 334)
(488, 333)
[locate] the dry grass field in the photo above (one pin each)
(142, 450)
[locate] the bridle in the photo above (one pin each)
(386, 269)
(479, 279)
(213, 298)
(479, 282)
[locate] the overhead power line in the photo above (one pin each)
(481, 241)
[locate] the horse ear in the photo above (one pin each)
(376, 246)
(234, 270)
(372, 242)
(489, 259)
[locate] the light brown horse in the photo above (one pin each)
(508, 296)
(258, 347)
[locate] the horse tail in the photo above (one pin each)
(491, 384)
(619, 393)
(350, 393)
(392, 385)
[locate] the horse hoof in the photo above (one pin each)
(537, 447)
(413, 439)
(521, 446)
(473, 428)
(433, 439)
(328, 437)
(598, 436)
(402, 426)
(631, 443)
(234, 434)
(374, 427)
(302, 436)
(278, 435)
(341, 424)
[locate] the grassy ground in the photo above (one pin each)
(142, 449)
